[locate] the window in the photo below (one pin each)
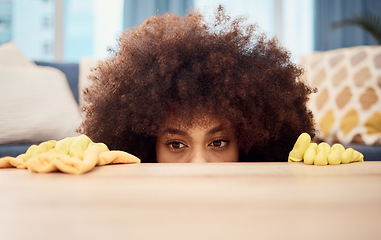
(26, 23)
(68, 30)
(61, 30)
(5, 21)
(291, 21)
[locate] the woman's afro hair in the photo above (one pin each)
(185, 66)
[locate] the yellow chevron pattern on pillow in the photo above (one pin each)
(347, 106)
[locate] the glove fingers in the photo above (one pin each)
(322, 154)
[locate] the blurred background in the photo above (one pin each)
(68, 30)
(73, 35)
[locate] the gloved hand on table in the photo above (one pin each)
(74, 155)
(322, 153)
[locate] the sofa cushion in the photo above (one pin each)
(36, 104)
(347, 106)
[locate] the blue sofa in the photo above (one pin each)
(71, 70)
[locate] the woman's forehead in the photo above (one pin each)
(198, 121)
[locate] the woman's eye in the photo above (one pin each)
(176, 145)
(219, 143)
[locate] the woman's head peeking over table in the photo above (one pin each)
(179, 89)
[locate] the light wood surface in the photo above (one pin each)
(194, 201)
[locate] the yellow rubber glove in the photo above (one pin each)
(74, 155)
(322, 154)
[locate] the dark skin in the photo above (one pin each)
(184, 67)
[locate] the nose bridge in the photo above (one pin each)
(198, 155)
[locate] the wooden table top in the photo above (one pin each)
(194, 201)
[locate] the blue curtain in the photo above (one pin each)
(329, 11)
(135, 11)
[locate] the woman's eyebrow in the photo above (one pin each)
(214, 130)
(175, 131)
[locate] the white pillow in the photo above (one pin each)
(11, 55)
(36, 105)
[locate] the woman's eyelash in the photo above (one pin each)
(175, 145)
(220, 143)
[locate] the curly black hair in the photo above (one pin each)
(184, 66)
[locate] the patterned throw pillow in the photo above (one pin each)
(347, 106)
